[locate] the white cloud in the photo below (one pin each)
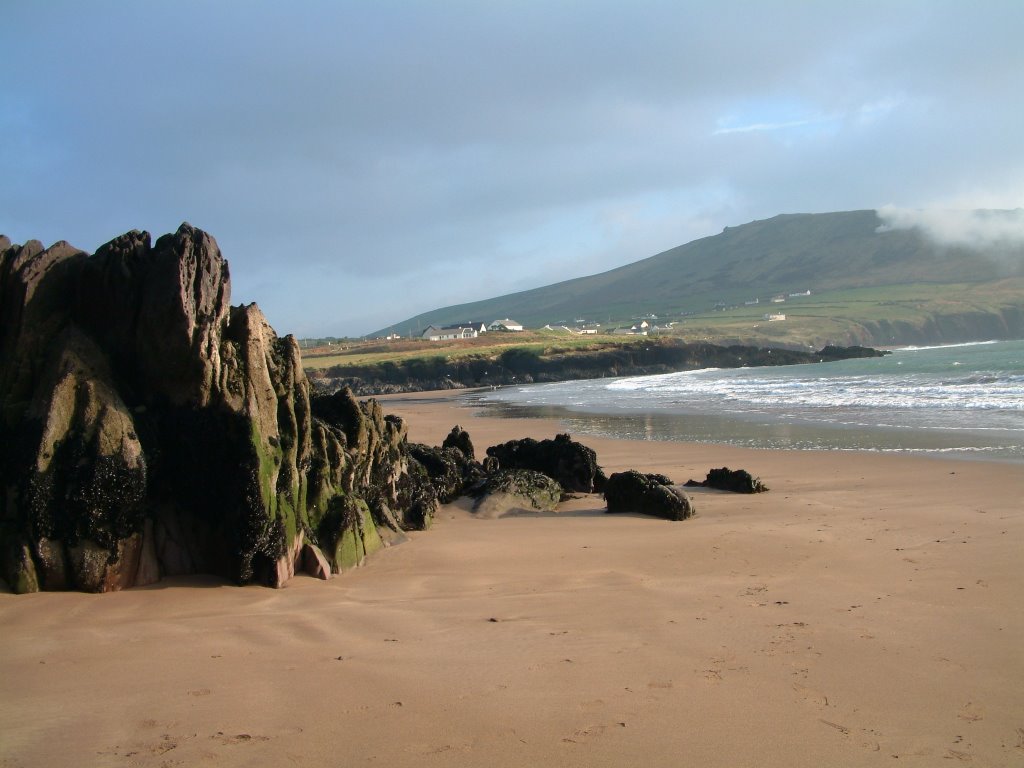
(975, 228)
(754, 127)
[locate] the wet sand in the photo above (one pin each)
(865, 611)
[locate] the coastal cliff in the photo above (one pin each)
(524, 366)
(149, 428)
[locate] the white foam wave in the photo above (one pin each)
(948, 346)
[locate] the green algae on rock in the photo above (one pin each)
(148, 428)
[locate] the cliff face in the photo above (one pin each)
(1006, 323)
(148, 428)
(519, 366)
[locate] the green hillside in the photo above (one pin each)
(786, 254)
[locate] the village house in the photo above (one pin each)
(774, 316)
(460, 331)
(639, 329)
(505, 325)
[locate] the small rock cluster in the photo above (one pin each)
(734, 480)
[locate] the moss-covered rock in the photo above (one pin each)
(147, 427)
(511, 491)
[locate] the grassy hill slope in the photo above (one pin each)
(788, 253)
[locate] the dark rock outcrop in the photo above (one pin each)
(517, 490)
(459, 438)
(632, 491)
(725, 479)
(572, 464)
(149, 428)
(607, 358)
(450, 470)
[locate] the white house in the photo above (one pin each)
(505, 325)
(444, 333)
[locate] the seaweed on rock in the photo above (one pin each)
(149, 428)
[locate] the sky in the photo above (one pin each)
(361, 161)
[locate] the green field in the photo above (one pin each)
(880, 316)
(487, 345)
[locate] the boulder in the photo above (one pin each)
(633, 491)
(725, 479)
(572, 464)
(314, 562)
(148, 427)
(517, 490)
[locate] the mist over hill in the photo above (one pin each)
(785, 254)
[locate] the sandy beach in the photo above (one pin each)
(866, 611)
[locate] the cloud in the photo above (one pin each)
(752, 127)
(379, 159)
(976, 229)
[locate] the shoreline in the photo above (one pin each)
(865, 609)
(563, 417)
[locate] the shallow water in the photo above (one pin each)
(964, 401)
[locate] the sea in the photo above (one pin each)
(961, 401)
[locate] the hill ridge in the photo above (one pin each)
(781, 254)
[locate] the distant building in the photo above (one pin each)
(505, 325)
(774, 316)
(446, 332)
(802, 293)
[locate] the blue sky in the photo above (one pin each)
(360, 162)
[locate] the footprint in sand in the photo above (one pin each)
(583, 734)
(841, 728)
(811, 696)
(971, 712)
(238, 738)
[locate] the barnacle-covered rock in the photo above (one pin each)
(147, 428)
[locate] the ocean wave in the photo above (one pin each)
(948, 346)
(640, 382)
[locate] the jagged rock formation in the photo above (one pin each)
(149, 428)
(652, 494)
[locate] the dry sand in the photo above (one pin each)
(866, 611)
